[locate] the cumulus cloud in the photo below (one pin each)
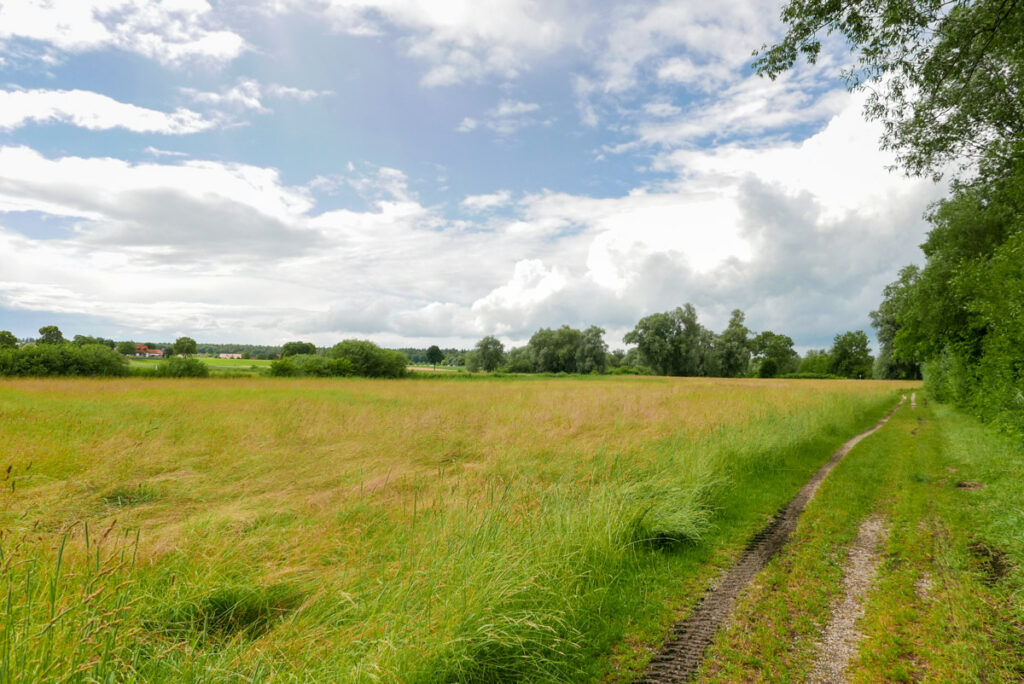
(801, 243)
(93, 111)
(169, 31)
(164, 210)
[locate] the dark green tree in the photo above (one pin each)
(778, 348)
(8, 340)
(50, 334)
(434, 355)
(293, 348)
(126, 348)
(733, 347)
(850, 355)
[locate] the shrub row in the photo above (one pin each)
(62, 359)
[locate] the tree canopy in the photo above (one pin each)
(293, 348)
(945, 77)
(184, 346)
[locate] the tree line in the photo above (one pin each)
(675, 343)
(946, 79)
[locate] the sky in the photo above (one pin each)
(431, 172)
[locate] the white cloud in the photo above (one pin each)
(157, 152)
(803, 244)
(478, 203)
(245, 94)
(158, 209)
(169, 31)
(248, 93)
(461, 40)
(505, 118)
(93, 111)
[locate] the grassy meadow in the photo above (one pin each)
(446, 529)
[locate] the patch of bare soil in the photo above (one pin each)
(839, 641)
(681, 656)
(993, 562)
(970, 484)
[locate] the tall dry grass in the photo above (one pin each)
(395, 530)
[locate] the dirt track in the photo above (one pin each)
(681, 656)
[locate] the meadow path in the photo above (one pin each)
(681, 656)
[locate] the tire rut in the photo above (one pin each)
(681, 656)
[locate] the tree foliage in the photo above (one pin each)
(850, 355)
(184, 346)
(490, 353)
(62, 359)
(182, 368)
(50, 334)
(293, 348)
(368, 360)
(434, 355)
(945, 77)
(8, 340)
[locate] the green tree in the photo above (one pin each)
(778, 348)
(50, 334)
(434, 355)
(733, 347)
(8, 340)
(490, 353)
(944, 76)
(126, 348)
(815, 361)
(294, 348)
(591, 351)
(850, 355)
(184, 346)
(896, 300)
(672, 343)
(86, 339)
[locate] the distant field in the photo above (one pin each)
(232, 366)
(353, 530)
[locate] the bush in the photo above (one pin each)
(769, 368)
(370, 361)
(178, 367)
(62, 359)
(310, 365)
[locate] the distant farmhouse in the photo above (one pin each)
(145, 352)
(229, 356)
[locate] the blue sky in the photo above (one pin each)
(426, 172)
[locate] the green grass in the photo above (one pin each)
(947, 602)
(222, 367)
(356, 530)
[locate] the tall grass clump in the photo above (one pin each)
(66, 609)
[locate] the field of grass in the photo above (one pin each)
(358, 530)
(217, 366)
